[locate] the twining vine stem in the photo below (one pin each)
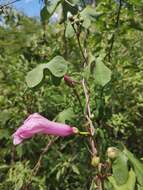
(78, 98)
(79, 44)
(87, 113)
(116, 27)
(87, 97)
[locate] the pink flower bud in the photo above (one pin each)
(37, 124)
(69, 81)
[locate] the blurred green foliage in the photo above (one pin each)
(117, 106)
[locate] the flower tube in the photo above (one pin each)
(37, 124)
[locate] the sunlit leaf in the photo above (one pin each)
(89, 14)
(108, 185)
(120, 169)
(57, 66)
(69, 31)
(102, 74)
(35, 76)
(75, 169)
(129, 185)
(137, 165)
(66, 115)
(140, 187)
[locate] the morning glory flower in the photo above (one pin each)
(37, 124)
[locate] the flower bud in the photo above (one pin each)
(112, 152)
(95, 161)
(69, 81)
(70, 16)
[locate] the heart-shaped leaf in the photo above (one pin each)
(35, 76)
(102, 73)
(57, 66)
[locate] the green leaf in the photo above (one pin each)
(136, 2)
(86, 72)
(129, 185)
(57, 66)
(69, 31)
(5, 115)
(4, 167)
(100, 108)
(137, 165)
(48, 10)
(66, 115)
(89, 14)
(93, 185)
(52, 6)
(44, 14)
(102, 73)
(120, 169)
(140, 187)
(88, 68)
(68, 7)
(35, 76)
(75, 169)
(4, 133)
(108, 185)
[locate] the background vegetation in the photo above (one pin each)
(110, 32)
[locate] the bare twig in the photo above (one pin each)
(38, 164)
(7, 4)
(79, 44)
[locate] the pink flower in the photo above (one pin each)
(37, 124)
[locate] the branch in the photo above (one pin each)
(10, 3)
(45, 150)
(38, 164)
(79, 44)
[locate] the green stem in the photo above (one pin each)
(83, 133)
